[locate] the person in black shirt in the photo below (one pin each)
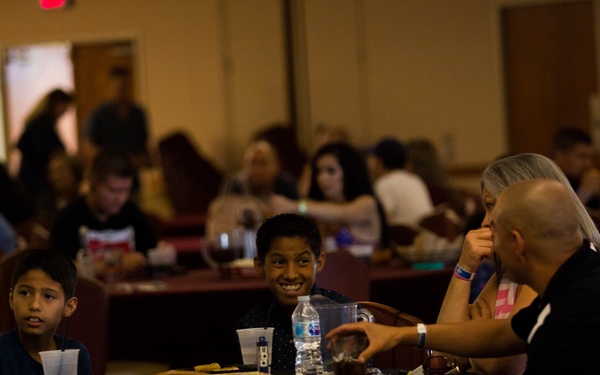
(106, 217)
(289, 257)
(536, 237)
(573, 152)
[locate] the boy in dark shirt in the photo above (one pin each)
(41, 294)
(289, 257)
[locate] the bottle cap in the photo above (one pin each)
(303, 298)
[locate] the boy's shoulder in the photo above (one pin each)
(14, 359)
(331, 294)
(8, 338)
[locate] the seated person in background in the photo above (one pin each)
(341, 197)
(261, 175)
(423, 160)
(324, 134)
(105, 217)
(573, 151)
(41, 294)
(402, 194)
(21, 212)
(289, 257)
(65, 176)
(537, 237)
(9, 241)
(501, 298)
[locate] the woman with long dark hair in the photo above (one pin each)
(341, 197)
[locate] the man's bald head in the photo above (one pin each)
(543, 212)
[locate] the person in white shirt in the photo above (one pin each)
(403, 194)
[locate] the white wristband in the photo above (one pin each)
(422, 331)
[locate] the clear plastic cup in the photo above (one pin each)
(345, 350)
(58, 362)
(248, 339)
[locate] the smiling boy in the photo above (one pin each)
(289, 257)
(41, 294)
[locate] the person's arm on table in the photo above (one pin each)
(361, 209)
(480, 338)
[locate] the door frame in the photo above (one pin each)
(140, 85)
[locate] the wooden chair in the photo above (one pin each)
(401, 357)
(402, 235)
(444, 222)
(346, 274)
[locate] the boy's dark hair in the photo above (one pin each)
(565, 139)
(112, 161)
(60, 268)
(287, 225)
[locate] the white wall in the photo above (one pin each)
(217, 68)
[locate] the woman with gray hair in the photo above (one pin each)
(500, 298)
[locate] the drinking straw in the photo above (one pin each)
(62, 345)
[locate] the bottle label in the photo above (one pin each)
(307, 329)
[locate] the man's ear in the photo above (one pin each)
(519, 242)
(70, 307)
(321, 261)
(259, 266)
(10, 298)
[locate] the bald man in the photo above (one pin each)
(262, 175)
(535, 231)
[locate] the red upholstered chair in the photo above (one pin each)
(7, 264)
(401, 357)
(89, 323)
(345, 274)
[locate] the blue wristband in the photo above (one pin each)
(463, 274)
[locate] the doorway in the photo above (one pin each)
(31, 71)
(550, 71)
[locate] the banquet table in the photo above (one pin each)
(190, 318)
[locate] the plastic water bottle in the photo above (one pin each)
(307, 338)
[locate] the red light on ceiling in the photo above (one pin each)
(53, 4)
